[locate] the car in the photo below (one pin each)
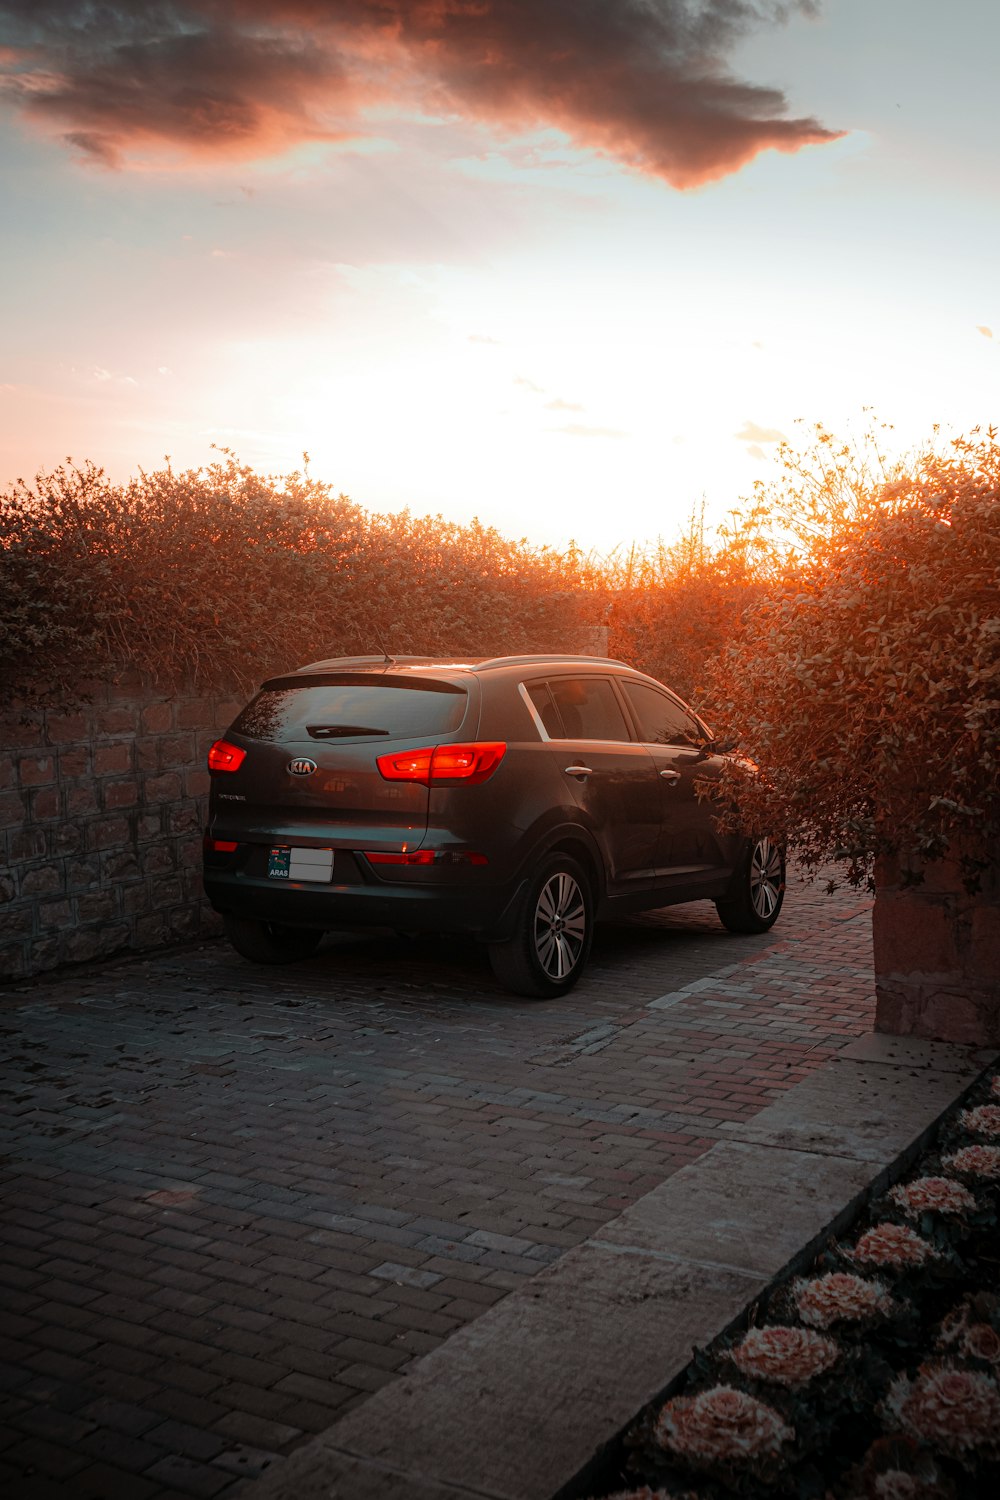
(516, 799)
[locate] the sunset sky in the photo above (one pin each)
(565, 265)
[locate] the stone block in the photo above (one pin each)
(194, 713)
(74, 762)
(147, 753)
(983, 958)
(867, 1112)
(45, 953)
(134, 898)
(67, 838)
(118, 794)
(187, 818)
(45, 803)
(8, 773)
(97, 906)
(18, 921)
(151, 931)
(913, 934)
(80, 800)
(149, 825)
(165, 788)
(165, 891)
(114, 759)
(66, 728)
(157, 718)
(28, 843)
(13, 810)
(158, 859)
(36, 770)
(107, 833)
(119, 865)
(54, 916)
(951, 1011)
(41, 880)
(751, 1208)
(82, 873)
(13, 961)
(117, 718)
(196, 783)
(176, 750)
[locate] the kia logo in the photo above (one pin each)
(302, 766)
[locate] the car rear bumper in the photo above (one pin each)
(486, 912)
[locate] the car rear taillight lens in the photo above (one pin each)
(220, 846)
(436, 763)
(225, 757)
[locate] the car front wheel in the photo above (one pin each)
(555, 928)
(754, 899)
(271, 942)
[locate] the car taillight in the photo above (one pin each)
(434, 763)
(225, 757)
(220, 846)
(427, 857)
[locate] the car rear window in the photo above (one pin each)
(333, 709)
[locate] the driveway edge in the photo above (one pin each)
(520, 1402)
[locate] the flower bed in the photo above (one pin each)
(876, 1376)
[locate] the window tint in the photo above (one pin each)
(331, 710)
(545, 708)
(589, 709)
(661, 720)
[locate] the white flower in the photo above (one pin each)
(892, 1245)
(974, 1161)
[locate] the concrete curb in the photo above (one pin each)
(519, 1402)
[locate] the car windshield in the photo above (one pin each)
(342, 709)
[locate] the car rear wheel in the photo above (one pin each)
(555, 928)
(758, 889)
(271, 942)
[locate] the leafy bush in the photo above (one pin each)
(220, 576)
(867, 682)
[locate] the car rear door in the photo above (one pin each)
(609, 776)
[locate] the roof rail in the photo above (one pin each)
(550, 656)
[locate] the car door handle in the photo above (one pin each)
(580, 771)
(671, 776)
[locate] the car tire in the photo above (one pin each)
(271, 942)
(757, 891)
(555, 927)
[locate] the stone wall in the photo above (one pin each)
(937, 955)
(102, 808)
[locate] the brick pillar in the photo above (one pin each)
(937, 955)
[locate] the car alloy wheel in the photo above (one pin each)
(767, 879)
(560, 927)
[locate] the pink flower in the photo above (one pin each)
(892, 1245)
(995, 1086)
(788, 1356)
(975, 1161)
(722, 1425)
(840, 1297)
(982, 1121)
(941, 1195)
(953, 1410)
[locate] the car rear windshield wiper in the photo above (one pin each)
(340, 731)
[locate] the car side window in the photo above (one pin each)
(541, 700)
(589, 709)
(661, 720)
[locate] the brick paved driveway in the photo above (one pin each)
(236, 1201)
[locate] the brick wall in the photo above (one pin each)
(937, 955)
(102, 808)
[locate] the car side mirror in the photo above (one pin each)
(721, 747)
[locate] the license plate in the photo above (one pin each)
(314, 866)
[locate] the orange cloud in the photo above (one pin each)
(642, 81)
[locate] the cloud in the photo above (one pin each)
(751, 433)
(482, 338)
(987, 333)
(560, 405)
(529, 385)
(644, 82)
